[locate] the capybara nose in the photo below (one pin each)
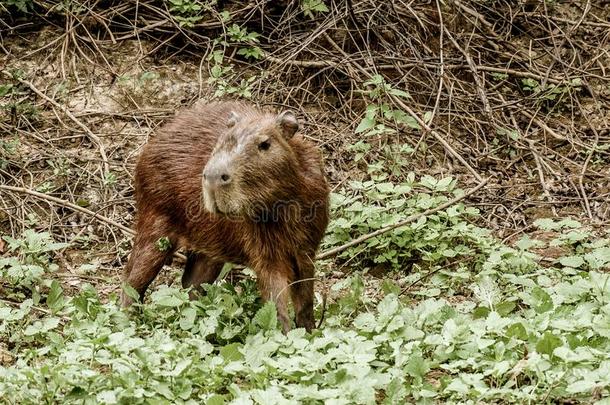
(216, 178)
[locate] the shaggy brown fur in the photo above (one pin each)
(263, 203)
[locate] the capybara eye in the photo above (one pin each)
(264, 145)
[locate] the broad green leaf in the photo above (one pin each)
(400, 93)
(55, 298)
(581, 386)
(130, 292)
(572, 261)
(366, 124)
(547, 343)
(231, 352)
(169, 297)
(216, 399)
(417, 367)
(517, 330)
(187, 321)
(541, 300)
(266, 317)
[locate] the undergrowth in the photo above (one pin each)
(456, 316)
(460, 318)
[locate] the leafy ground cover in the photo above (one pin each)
(483, 302)
(473, 321)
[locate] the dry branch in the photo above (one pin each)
(78, 208)
(94, 138)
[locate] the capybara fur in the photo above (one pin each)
(230, 183)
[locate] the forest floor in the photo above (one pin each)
(518, 96)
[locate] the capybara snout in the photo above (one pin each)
(230, 183)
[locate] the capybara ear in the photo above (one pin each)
(233, 119)
(288, 124)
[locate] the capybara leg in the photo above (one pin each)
(148, 256)
(302, 293)
(274, 283)
(199, 269)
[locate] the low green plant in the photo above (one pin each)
(380, 110)
(189, 12)
(8, 149)
(23, 6)
(28, 261)
(110, 179)
(437, 239)
(241, 35)
(72, 7)
(223, 77)
(515, 331)
(310, 7)
(12, 99)
(551, 94)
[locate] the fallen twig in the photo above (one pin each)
(94, 138)
(75, 207)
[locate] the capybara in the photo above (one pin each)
(231, 183)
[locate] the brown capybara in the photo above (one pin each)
(231, 183)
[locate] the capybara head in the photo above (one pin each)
(253, 166)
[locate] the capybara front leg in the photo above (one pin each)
(150, 252)
(274, 283)
(199, 269)
(301, 291)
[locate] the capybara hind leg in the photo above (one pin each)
(301, 291)
(274, 284)
(147, 257)
(199, 269)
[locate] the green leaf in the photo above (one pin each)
(572, 261)
(5, 89)
(131, 292)
(82, 202)
(409, 120)
(43, 326)
(581, 386)
(395, 392)
(428, 117)
(231, 352)
(266, 317)
(216, 400)
(366, 124)
(480, 312)
(428, 182)
(548, 343)
(400, 93)
(55, 298)
(526, 243)
(385, 187)
(187, 321)
(546, 224)
(169, 297)
(444, 183)
(505, 308)
(517, 330)
(417, 367)
(540, 300)
(457, 385)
